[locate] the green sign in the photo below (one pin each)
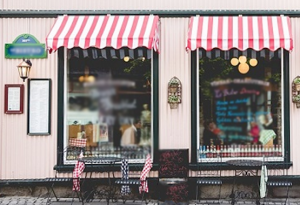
(25, 46)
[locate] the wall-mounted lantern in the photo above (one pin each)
(24, 69)
(296, 91)
(174, 92)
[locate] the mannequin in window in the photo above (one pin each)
(211, 134)
(146, 125)
(131, 135)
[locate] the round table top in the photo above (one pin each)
(244, 163)
(101, 160)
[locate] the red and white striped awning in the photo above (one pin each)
(241, 32)
(104, 31)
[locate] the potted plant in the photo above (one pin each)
(296, 99)
(296, 81)
(173, 101)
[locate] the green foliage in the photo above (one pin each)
(174, 81)
(296, 98)
(297, 80)
(137, 65)
(212, 70)
(173, 98)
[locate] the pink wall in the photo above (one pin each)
(25, 156)
(21, 155)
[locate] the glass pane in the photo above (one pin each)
(109, 102)
(240, 103)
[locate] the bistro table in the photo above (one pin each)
(244, 167)
(110, 161)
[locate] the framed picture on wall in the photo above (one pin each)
(14, 98)
(39, 106)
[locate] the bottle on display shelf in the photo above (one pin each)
(200, 151)
(208, 153)
(248, 151)
(225, 150)
(203, 151)
(260, 151)
(222, 151)
(276, 151)
(233, 151)
(255, 154)
(214, 152)
(273, 151)
(229, 151)
(280, 151)
(242, 151)
(252, 150)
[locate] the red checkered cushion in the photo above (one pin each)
(144, 173)
(77, 142)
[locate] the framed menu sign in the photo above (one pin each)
(14, 98)
(39, 109)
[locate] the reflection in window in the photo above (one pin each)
(109, 101)
(240, 109)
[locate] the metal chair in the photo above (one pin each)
(134, 177)
(209, 174)
(277, 176)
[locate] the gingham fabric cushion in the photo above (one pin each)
(77, 142)
(266, 136)
(125, 189)
(144, 173)
(78, 169)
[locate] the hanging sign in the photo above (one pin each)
(25, 46)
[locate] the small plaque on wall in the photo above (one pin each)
(14, 98)
(39, 106)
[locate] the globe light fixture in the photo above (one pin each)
(242, 59)
(126, 59)
(243, 65)
(86, 77)
(243, 68)
(253, 62)
(234, 61)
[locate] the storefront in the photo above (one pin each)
(111, 69)
(107, 91)
(240, 89)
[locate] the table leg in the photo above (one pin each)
(232, 195)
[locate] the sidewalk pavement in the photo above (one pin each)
(12, 200)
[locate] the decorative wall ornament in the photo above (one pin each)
(174, 92)
(296, 91)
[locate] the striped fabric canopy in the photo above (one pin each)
(104, 31)
(241, 32)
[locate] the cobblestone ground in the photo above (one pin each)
(44, 201)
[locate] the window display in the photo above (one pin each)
(240, 103)
(109, 101)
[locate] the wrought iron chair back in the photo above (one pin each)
(209, 174)
(277, 170)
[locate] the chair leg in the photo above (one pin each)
(52, 189)
(143, 195)
(287, 194)
(197, 193)
(219, 194)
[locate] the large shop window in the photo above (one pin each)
(240, 82)
(240, 105)
(106, 96)
(108, 102)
